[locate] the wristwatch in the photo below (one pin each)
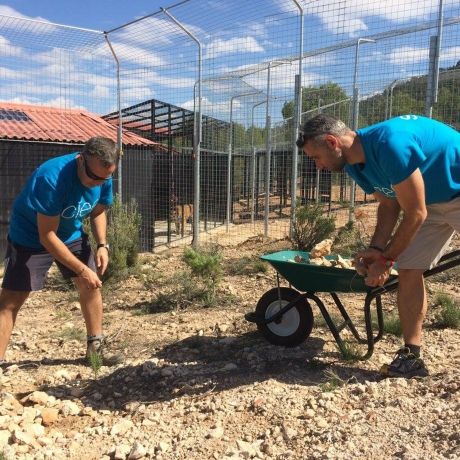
(103, 245)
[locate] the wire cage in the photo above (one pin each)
(215, 93)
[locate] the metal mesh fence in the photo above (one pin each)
(211, 92)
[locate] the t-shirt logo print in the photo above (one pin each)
(77, 212)
(388, 192)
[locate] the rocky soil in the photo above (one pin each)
(204, 384)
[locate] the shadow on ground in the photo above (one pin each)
(201, 364)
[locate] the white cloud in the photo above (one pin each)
(154, 30)
(282, 79)
(351, 18)
(408, 54)
(6, 10)
(7, 49)
(131, 54)
(211, 107)
(412, 55)
(220, 46)
(9, 74)
(101, 91)
(450, 54)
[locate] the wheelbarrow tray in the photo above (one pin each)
(308, 277)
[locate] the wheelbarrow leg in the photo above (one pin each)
(371, 340)
(332, 327)
(348, 322)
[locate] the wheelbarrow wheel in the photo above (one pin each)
(294, 326)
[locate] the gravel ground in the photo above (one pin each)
(204, 384)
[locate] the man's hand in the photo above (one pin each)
(90, 279)
(369, 263)
(102, 260)
(377, 274)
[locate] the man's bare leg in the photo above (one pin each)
(91, 307)
(10, 303)
(412, 305)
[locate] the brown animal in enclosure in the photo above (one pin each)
(182, 215)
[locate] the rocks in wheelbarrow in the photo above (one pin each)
(323, 248)
(339, 262)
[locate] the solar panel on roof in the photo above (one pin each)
(13, 115)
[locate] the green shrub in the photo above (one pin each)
(333, 381)
(96, 362)
(310, 226)
(205, 264)
(123, 236)
(71, 333)
(246, 266)
(449, 314)
(351, 352)
(391, 324)
(180, 291)
(348, 240)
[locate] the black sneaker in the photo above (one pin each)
(96, 356)
(405, 364)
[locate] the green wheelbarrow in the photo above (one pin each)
(284, 315)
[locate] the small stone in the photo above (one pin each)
(4, 438)
(63, 374)
(38, 397)
(49, 415)
(21, 437)
(121, 427)
(137, 451)
(322, 422)
(121, 452)
(216, 432)
(163, 446)
(69, 408)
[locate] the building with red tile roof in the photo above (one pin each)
(50, 124)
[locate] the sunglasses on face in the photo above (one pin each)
(90, 173)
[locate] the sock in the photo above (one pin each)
(93, 338)
(414, 349)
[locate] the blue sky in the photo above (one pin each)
(158, 61)
(92, 14)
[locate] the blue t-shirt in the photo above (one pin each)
(54, 189)
(395, 148)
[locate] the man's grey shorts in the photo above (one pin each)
(433, 238)
(26, 268)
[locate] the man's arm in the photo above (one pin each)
(410, 195)
(387, 215)
(47, 228)
(98, 218)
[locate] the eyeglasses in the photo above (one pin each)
(90, 173)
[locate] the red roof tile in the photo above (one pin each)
(59, 125)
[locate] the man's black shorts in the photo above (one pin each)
(26, 268)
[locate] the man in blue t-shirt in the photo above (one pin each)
(411, 164)
(47, 225)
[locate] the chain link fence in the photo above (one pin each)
(212, 94)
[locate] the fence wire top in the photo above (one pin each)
(27, 32)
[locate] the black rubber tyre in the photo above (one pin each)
(295, 325)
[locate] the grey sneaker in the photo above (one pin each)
(95, 353)
(405, 364)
